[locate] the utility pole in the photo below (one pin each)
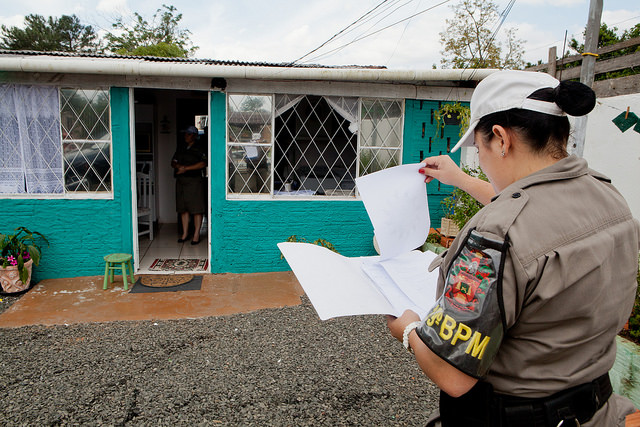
(587, 71)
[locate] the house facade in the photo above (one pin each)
(285, 145)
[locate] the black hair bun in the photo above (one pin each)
(575, 98)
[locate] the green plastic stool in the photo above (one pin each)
(118, 261)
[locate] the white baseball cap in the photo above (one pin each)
(505, 90)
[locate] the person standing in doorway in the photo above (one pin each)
(188, 163)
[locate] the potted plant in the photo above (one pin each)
(460, 207)
(19, 251)
(452, 114)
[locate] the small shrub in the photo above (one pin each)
(634, 319)
(320, 242)
(433, 238)
(460, 206)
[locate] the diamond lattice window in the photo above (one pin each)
(380, 134)
(30, 150)
(249, 144)
(315, 144)
(86, 135)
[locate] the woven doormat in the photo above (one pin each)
(172, 264)
(166, 283)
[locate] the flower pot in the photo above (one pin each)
(448, 228)
(10, 278)
(451, 119)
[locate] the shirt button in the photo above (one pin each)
(516, 195)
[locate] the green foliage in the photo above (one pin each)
(18, 248)
(320, 242)
(160, 37)
(64, 34)
(433, 238)
(456, 111)
(460, 206)
(252, 103)
(634, 319)
(373, 160)
(468, 40)
(609, 36)
(162, 49)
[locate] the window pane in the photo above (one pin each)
(315, 146)
(381, 123)
(86, 132)
(375, 159)
(249, 169)
(84, 114)
(87, 166)
(249, 118)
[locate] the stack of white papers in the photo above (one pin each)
(397, 280)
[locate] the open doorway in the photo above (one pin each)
(161, 118)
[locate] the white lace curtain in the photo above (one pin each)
(346, 107)
(30, 140)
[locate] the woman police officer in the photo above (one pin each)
(536, 286)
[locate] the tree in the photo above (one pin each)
(64, 34)
(469, 40)
(606, 37)
(160, 37)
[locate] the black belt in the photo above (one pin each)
(482, 407)
(577, 403)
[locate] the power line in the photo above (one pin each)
(368, 29)
(503, 15)
(380, 30)
(340, 32)
(401, 36)
(373, 16)
(384, 17)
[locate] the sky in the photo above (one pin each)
(284, 30)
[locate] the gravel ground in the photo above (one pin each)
(280, 367)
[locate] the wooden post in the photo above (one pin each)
(552, 61)
(588, 68)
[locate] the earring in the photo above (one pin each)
(502, 154)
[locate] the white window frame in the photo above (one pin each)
(252, 196)
(271, 196)
(75, 195)
(373, 148)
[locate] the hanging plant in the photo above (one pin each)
(452, 114)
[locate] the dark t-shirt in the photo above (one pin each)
(190, 156)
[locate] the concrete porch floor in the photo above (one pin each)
(82, 300)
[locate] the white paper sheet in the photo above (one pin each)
(336, 285)
(396, 201)
(410, 272)
(341, 286)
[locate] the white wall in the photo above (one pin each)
(612, 152)
(166, 145)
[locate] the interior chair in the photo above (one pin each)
(146, 203)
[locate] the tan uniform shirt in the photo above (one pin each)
(569, 277)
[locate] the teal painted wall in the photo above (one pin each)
(81, 232)
(245, 233)
(423, 139)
